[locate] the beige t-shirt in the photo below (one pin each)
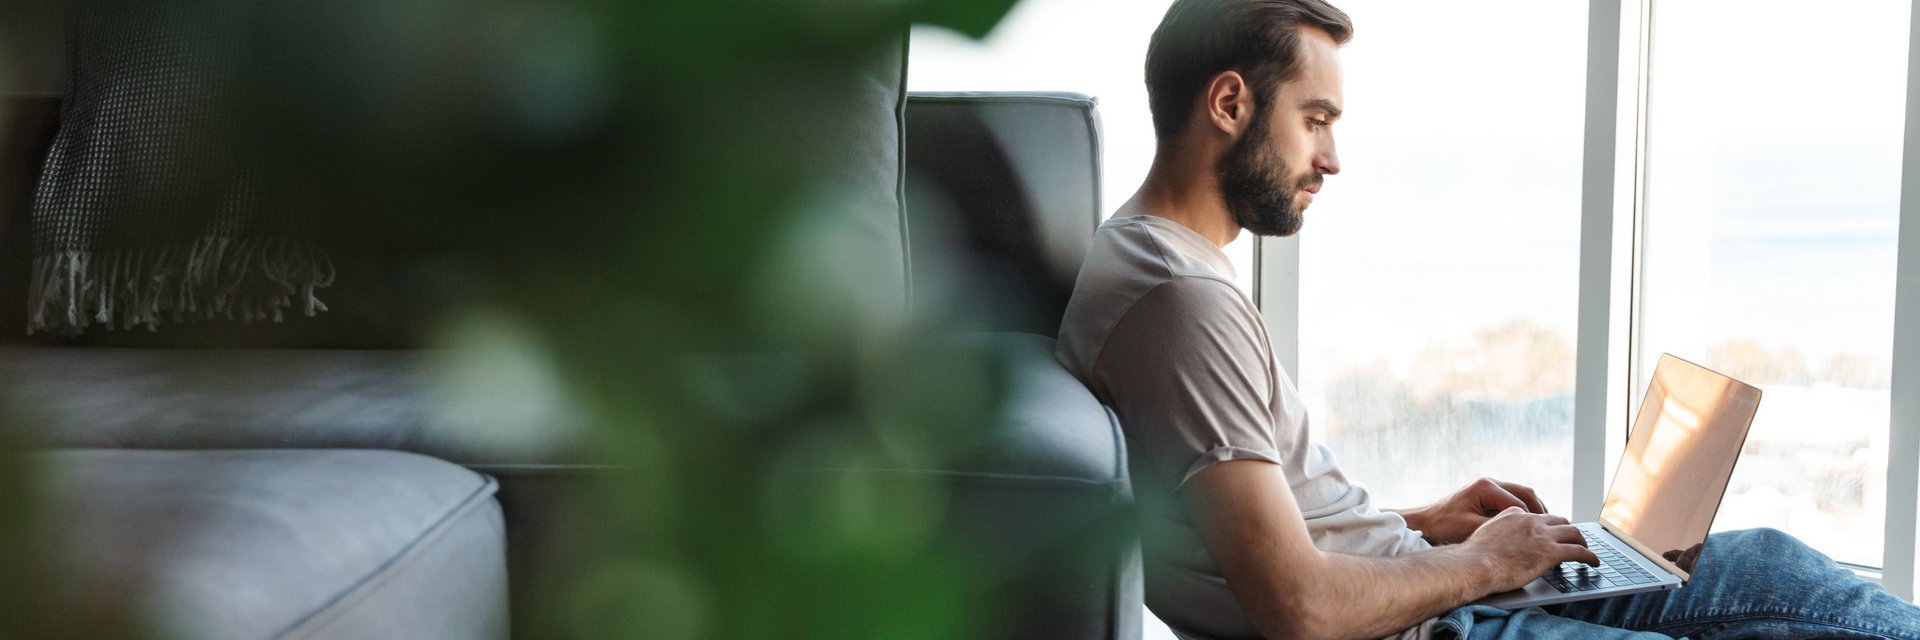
(1159, 332)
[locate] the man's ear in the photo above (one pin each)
(1228, 105)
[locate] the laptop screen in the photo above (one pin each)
(1680, 455)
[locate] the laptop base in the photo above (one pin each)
(1541, 593)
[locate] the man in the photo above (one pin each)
(1252, 528)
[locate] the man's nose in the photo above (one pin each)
(1326, 162)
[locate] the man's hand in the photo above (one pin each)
(1452, 520)
(1520, 546)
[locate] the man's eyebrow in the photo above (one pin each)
(1324, 105)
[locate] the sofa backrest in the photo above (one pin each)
(336, 382)
(1003, 194)
(1002, 201)
(375, 301)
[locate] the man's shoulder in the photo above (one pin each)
(1152, 248)
(1133, 273)
(1202, 295)
(1130, 257)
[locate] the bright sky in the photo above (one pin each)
(1774, 176)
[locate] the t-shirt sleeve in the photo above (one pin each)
(1186, 369)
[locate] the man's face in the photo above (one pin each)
(1271, 173)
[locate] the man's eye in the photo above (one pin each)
(1317, 122)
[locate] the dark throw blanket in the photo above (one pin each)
(148, 210)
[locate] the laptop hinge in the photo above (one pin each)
(1645, 551)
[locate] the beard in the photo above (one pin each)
(1258, 188)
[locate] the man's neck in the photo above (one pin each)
(1185, 192)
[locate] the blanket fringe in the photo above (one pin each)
(246, 279)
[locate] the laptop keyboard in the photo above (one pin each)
(1615, 570)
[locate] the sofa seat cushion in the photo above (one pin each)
(285, 544)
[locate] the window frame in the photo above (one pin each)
(1903, 438)
(1619, 37)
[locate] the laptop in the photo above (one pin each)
(1679, 457)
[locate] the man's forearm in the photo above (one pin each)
(1291, 589)
(1370, 597)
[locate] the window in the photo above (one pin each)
(1771, 206)
(1439, 270)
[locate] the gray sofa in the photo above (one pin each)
(225, 492)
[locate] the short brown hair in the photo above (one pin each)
(1199, 39)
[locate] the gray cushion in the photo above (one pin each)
(286, 544)
(1003, 195)
(870, 153)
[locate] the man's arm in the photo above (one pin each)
(1450, 521)
(1290, 589)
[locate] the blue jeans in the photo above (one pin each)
(1759, 583)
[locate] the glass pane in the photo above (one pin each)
(1440, 267)
(1772, 192)
(1095, 47)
